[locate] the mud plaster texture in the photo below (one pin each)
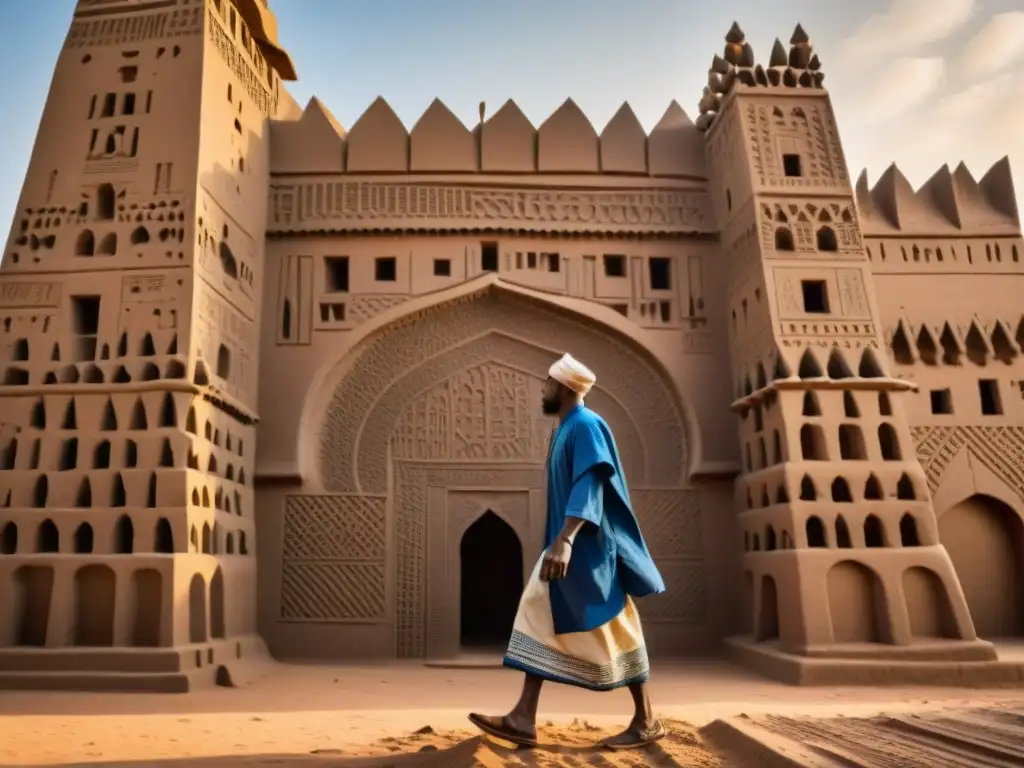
(267, 381)
(370, 715)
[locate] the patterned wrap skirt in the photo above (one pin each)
(607, 657)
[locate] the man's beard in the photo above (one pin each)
(550, 406)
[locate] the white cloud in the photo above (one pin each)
(897, 88)
(977, 125)
(906, 27)
(996, 46)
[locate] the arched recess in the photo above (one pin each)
(197, 610)
(218, 619)
(147, 604)
(33, 594)
(984, 537)
(928, 607)
(491, 582)
(95, 602)
(357, 402)
(856, 604)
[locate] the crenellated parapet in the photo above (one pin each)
(737, 67)
(505, 143)
(951, 202)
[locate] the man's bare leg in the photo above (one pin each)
(520, 725)
(644, 728)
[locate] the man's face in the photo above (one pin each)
(551, 397)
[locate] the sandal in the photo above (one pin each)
(634, 739)
(499, 728)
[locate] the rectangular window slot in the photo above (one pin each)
(336, 274)
(442, 268)
(815, 294)
(942, 401)
(489, 257)
(791, 165)
(991, 402)
(661, 273)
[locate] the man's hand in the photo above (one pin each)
(556, 561)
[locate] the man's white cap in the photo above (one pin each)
(573, 374)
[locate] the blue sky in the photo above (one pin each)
(912, 80)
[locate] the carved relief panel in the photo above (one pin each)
(484, 413)
(333, 561)
(795, 144)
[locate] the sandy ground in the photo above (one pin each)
(411, 715)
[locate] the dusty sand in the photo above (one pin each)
(370, 715)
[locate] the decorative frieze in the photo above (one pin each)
(357, 205)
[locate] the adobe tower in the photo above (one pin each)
(132, 292)
(832, 502)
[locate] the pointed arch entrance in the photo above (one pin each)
(491, 582)
(445, 403)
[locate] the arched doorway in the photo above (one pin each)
(491, 564)
(985, 540)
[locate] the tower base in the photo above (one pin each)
(234, 662)
(953, 663)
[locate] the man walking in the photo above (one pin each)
(577, 623)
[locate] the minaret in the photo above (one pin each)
(841, 553)
(131, 286)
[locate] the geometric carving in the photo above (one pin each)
(685, 595)
(1000, 449)
(322, 537)
(332, 591)
(671, 524)
(334, 528)
(338, 206)
(488, 411)
(670, 521)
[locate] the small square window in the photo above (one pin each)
(614, 265)
(942, 401)
(442, 267)
(386, 269)
(815, 297)
(791, 165)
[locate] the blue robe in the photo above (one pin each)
(610, 559)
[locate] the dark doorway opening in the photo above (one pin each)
(491, 557)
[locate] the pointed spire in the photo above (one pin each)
(800, 37)
(997, 186)
(720, 65)
(735, 34)
(778, 56)
(746, 58)
(939, 194)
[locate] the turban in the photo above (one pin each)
(573, 374)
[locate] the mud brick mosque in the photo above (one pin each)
(274, 384)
